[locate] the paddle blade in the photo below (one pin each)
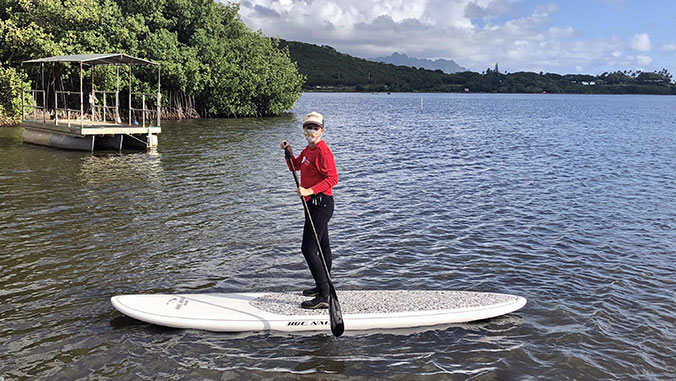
(337, 326)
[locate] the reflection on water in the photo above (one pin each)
(106, 169)
(566, 200)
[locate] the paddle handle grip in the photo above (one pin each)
(289, 159)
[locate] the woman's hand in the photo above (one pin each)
(302, 192)
(285, 145)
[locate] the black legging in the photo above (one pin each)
(321, 210)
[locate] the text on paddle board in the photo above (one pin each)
(307, 323)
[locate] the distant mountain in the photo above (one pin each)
(448, 67)
(328, 69)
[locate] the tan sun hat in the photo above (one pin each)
(314, 118)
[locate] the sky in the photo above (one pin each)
(564, 36)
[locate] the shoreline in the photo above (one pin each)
(194, 115)
(352, 90)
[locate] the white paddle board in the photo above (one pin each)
(281, 311)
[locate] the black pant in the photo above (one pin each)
(321, 210)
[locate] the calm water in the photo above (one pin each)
(569, 201)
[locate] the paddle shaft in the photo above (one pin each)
(336, 315)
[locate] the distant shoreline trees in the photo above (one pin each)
(210, 61)
(329, 70)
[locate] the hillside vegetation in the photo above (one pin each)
(210, 61)
(328, 69)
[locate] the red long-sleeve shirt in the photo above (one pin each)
(317, 169)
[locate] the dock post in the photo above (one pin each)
(117, 95)
(56, 108)
(421, 105)
(91, 99)
(130, 122)
(23, 96)
(44, 91)
(143, 108)
(159, 96)
(44, 107)
(82, 105)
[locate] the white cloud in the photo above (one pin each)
(640, 42)
(556, 32)
(487, 9)
(445, 29)
(644, 60)
(669, 47)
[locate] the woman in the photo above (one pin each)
(318, 176)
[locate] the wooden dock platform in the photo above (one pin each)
(90, 127)
(90, 135)
(51, 118)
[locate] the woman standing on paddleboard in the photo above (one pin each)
(318, 176)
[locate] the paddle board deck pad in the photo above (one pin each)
(281, 311)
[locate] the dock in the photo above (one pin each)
(64, 119)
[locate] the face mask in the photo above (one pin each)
(312, 136)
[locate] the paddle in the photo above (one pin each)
(337, 326)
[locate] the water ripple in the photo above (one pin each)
(566, 200)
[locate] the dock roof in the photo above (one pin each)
(96, 59)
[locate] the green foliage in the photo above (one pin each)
(327, 69)
(204, 50)
(11, 83)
